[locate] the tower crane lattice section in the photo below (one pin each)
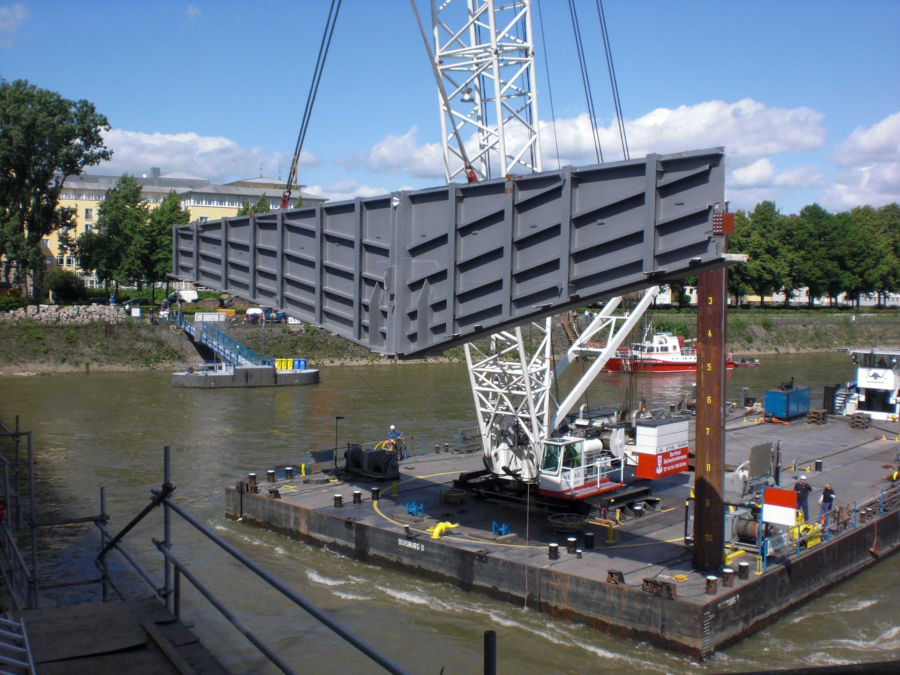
(484, 53)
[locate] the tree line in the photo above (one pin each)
(855, 252)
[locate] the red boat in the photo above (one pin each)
(662, 353)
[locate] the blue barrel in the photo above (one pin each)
(299, 364)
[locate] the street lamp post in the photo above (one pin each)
(336, 420)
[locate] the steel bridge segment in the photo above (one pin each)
(413, 273)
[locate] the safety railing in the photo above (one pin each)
(580, 479)
(205, 366)
(24, 586)
(840, 520)
(16, 575)
(225, 346)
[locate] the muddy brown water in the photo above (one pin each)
(108, 429)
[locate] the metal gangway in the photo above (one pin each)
(223, 345)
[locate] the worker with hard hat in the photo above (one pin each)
(802, 488)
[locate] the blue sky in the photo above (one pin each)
(804, 95)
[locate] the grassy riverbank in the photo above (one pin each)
(770, 333)
(33, 348)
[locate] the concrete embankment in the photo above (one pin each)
(30, 345)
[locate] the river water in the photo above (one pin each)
(109, 429)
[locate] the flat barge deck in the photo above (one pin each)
(644, 550)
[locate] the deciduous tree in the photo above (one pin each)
(44, 139)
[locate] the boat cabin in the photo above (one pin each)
(660, 343)
(877, 392)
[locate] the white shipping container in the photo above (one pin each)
(209, 317)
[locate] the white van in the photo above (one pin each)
(184, 296)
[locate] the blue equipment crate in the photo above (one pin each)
(787, 404)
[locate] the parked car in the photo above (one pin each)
(258, 314)
(274, 317)
(136, 302)
(184, 296)
(98, 300)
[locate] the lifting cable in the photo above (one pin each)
(471, 176)
(549, 80)
(330, 23)
(585, 80)
(613, 81)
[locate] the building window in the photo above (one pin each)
(88, 228)
(203, 219)
(59, 260)
(69, 261)
(89, 214)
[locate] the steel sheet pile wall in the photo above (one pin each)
(414, 273)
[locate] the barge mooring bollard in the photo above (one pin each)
(728, 577)
(288, 472)
(357, 497)
(588, 540)
(820, 465)
(553, 551)
(338, 501)
(437, 449)
(578, 553)
(407, 531)
(639, 510)
(743, 570)
(252, 477)
(270, 476)
(376, 493)
(571, 542)
(712, 584)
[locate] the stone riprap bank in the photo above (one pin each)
(54, 314)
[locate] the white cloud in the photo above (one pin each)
(400, 154)
(760, 172)
(192, 11)
(214, 157)
(799, 177)
(345, 189)
(11, 19)
(747, 198)
(748, 129)
(875, 185)
(878, 143)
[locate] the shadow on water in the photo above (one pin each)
(108, 429)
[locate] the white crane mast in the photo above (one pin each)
(484, 52)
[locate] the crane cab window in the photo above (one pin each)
(550, 460)
(572, 456)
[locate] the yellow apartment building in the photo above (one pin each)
(204, 200)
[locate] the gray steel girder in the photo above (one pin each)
(414, 273)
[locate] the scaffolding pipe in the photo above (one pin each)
(285, 590)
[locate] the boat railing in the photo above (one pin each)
(841, 520)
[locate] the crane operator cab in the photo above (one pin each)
(575, 468)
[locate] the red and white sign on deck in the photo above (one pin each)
(662, 464)
(779, 507)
